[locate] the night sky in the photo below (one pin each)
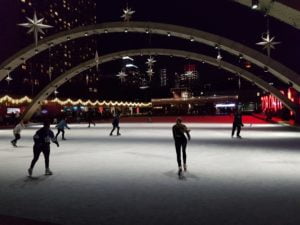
(224, 18)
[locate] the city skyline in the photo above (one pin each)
(210, 77)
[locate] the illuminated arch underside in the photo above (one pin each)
(280, 71)
(50, 88)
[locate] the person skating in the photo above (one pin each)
(42, 140)
(90, 118)
(115, 123)
(61, 128)
(17, 132)
(237, 124)
(179, 131)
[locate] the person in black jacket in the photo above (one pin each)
(115, 124)
(179, 131)
(90, 116)
(42, 140)
(237, 124)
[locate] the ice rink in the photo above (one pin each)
(132, 179)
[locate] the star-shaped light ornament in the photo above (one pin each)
(150, 61)
(219, 56)
(122, 75)
(97, 60)
(268, 42)
(8, 78)
(127, 14)
(35, 26)
(150, 73)
(55, 92)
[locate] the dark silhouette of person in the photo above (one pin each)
(42, 140)
(61, 128)
(179, 131)
(17, 132)
(115, 123)
(237, 124)
(90, 118)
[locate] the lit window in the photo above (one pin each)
(23, 0)
(56, 13)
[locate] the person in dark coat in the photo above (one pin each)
(42, 140)
(90, 118)
(237, 124)
(179, 131)
(115, 123)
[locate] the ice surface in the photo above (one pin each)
(131, 179)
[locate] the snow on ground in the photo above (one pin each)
(131, 179)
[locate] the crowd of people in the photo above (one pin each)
(44, 136)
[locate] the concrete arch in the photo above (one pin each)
(49, 89)
(280, 71)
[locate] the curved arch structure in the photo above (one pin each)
(282, 10)
(49, 89)
(280, 71)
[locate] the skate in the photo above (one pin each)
(13, 143)
(238, 136)
(48, 172)
(118, 134)
(29, 172)
(184, 168)
(179, 172)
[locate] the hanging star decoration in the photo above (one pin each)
(97, 60)
(55, 92)
(122, 75)
(127, 14)
(36, 26)
(8, 78)
(219, 56)
(268, 42)
(150, 73)
(150, 61)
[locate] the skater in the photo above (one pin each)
(61, 128)
(115, 124)
(90, 118)
(237, 123)
(42, 144)
(17, 133)
(180, 143)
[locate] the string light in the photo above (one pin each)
(9, 99)
(69, 101)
